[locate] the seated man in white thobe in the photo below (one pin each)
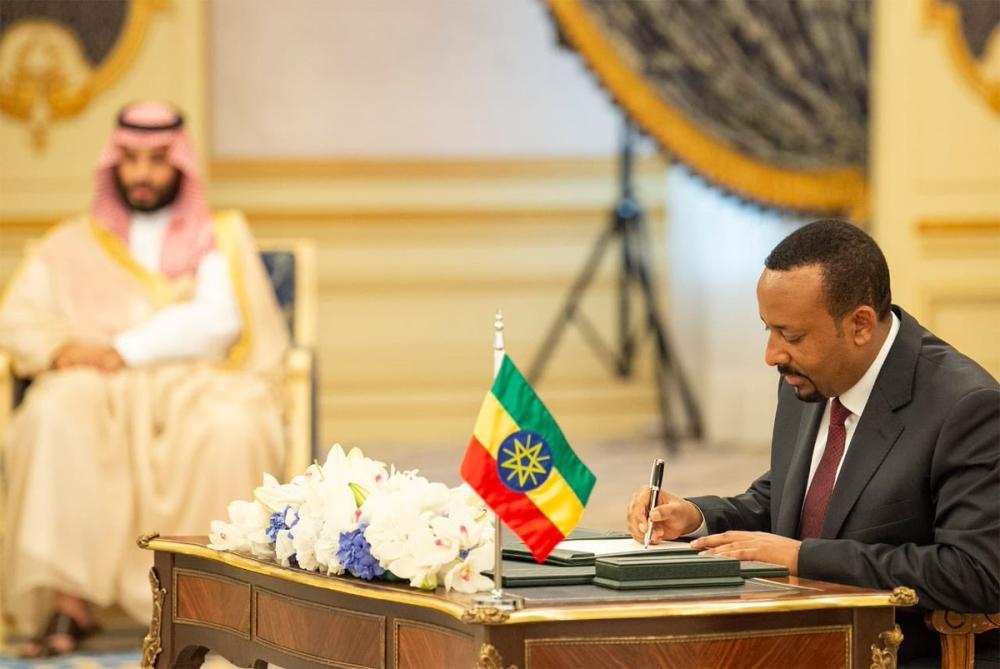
(155, 345)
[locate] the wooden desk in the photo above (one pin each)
(253, 612)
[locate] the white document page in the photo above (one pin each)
(605, 547)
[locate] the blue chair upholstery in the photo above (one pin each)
(280, 267)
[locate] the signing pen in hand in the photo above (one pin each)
(655, 481)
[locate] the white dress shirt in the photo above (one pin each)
(854, 400)
(203, 327)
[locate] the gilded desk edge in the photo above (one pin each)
(569, 612)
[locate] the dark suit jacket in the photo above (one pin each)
(917, 500)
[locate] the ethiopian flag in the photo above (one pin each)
(518, 461)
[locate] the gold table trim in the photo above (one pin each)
(567, 612)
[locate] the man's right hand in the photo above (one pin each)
(672, 516)
(104, 358)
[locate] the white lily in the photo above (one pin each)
(420, 576)
(467, 576)
(284, 548)
(277, 497)
(227, 537)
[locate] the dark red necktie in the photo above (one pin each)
(821, 488)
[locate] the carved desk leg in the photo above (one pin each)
(157, 646)
(151, 643)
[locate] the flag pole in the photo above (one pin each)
(498, 354)
(497, 598)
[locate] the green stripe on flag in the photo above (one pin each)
(518, 398)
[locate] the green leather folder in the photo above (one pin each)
(528, 574)
(637, 572)
(560, 556)
(753, 569)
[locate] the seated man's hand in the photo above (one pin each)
(760, 546)
(104, 358)
(672, 517)
(111, 360)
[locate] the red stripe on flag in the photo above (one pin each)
(538, 533)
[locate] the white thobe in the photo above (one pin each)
(202, 327)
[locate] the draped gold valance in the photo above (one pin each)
(742, 92)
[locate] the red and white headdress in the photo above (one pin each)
(190, 234)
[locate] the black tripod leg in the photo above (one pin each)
(568, 310)
(667, 367)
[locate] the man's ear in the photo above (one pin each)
(861, 325)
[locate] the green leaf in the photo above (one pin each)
(360, 494)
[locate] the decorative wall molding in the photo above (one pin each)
(946, 227)
(959, 237)
(333, 216)
(262, 167)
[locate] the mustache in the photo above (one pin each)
(785, 370)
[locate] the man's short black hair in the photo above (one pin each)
(854, 270)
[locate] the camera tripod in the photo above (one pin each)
(627, 226)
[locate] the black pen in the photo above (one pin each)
(655, 481)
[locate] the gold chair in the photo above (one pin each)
(958, 635)
(292, 263)
(291, 267)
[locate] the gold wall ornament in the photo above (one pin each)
(151, 646)
(484, 615)
(45, 77)
(142, 541)
(903, 597)
(843, 189)
(885, 657)
(982, 73)
(489, 658)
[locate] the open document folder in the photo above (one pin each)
(577, 552)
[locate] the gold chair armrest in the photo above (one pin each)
(298, 384)
(6, 409)
(958, 635)
(6, 392)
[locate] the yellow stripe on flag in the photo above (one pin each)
(493, 425)
(557, 500)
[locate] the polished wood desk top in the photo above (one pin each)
(773, 595)
(255, 612)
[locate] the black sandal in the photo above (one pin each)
(60, 624)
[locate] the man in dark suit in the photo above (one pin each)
(885, 455)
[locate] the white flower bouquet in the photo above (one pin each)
(353, 515)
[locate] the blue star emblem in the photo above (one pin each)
(524, 461)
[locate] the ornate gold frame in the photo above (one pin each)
(947, 19)
(830, 190)
(31, 89)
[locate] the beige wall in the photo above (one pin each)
(417, 247)
(936, 157)
(383, 78)
(415, 253)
